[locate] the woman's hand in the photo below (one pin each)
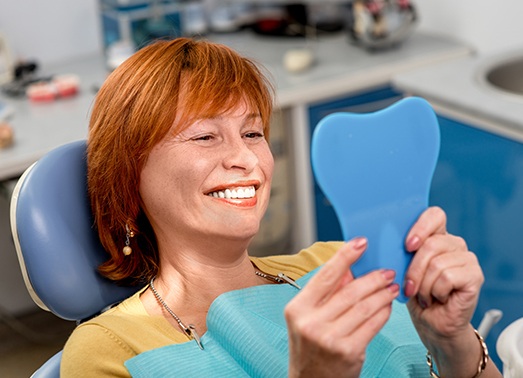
(444, 277)
(333, 319)
(443, 282)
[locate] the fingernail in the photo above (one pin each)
(413, 243)
(422, 303)
(359, 243)
(388, 274)
(394, 288)
(409, 288)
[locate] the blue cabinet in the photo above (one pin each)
(479, 183)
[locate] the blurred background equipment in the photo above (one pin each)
(6, 61)
(378, 24)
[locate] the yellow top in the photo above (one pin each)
(100, 346)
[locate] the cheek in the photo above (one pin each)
(265, 158)
(267, 165)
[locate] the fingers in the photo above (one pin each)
(448, 273)
(353, 294)
(367, 330)
(362, 314)
(338, 314)
(334, 273)
(347, 321)
(442, 266)
(431, 221)
(351, 334)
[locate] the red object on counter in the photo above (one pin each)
(41, 92)
(66, 85)
(59, 87)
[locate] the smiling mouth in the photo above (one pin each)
(238, 193)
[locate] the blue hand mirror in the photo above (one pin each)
(376, 170)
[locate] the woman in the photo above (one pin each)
(179, 175)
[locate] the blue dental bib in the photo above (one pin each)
(247, 337)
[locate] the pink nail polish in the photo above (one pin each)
(359, 243)
(388, 274)
(413, 243)
(394, 288)
(422, 303)
(409, 288)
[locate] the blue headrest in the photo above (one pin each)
(58, 249)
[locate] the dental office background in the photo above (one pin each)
(51, 31)
(56, 30)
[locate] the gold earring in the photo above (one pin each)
(127, 250)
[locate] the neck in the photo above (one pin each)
(189, 283)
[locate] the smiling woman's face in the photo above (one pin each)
(210, 180)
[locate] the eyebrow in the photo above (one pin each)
(220, 116)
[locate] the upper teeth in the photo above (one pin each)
(234, 193)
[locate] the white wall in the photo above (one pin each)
(50, 30)
(54, 30)
(489, 26)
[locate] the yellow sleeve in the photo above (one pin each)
(94, 351)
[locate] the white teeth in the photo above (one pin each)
(248, 192)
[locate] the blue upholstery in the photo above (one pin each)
(376, 169)
(58, 249)
(51, 368)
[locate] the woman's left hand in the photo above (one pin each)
(444, 277)
(443, 282)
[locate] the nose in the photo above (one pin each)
(239, 155)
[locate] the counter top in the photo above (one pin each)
(458, 87)
(340, 68)
(40, 127)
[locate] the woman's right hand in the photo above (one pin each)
(335, 316)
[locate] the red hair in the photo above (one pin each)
(134, 110)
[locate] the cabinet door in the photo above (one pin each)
(479, 183)
(327, 226)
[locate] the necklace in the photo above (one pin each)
(280, 278)
(190, 330)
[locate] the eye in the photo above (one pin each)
(254, 135)
(203, 138)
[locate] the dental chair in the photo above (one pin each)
(57, 247)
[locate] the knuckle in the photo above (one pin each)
(438, 212)
(446, 277)
(474, 262)
(438, 264)
(461, 244)
(353, 354)
(431, 243)
(328, 340)
(291, 310)
(307, 329)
